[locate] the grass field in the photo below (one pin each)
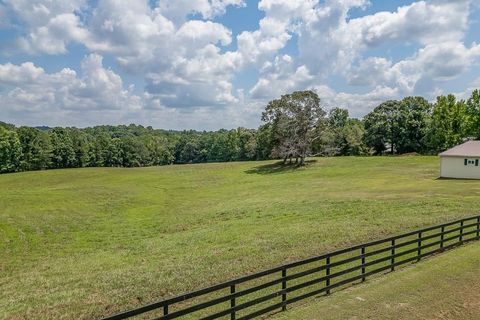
(446, 286)
(82, 243)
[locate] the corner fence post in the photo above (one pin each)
(442, 235)
(392, 259)
(460, 239)
(363, 263)
(284, 288)
(232, 303)
(327, 273)
(419, 250)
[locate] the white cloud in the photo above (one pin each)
(423, 22)
(26, 73)
(177, 10)
(182, 63)
(29, 93)
(280, 77)
(49, 25)
(97, 95)
(275, 30)
(474, 85)
(38, 13)
(188, 68)
(200, 33)
(357, 104)
(329, 42)
(371, 71)
(447, 60)
(53, 37)
(183, 57)
(420, 74)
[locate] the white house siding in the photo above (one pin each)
(454, 167)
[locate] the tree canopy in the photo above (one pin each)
(296, 120)
(295, 126)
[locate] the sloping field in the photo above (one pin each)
(82, 243)
(446, 286)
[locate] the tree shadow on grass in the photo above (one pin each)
(278, 167)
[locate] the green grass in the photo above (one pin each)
(446, 286)
(82, 243)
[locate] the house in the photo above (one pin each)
(461, 161)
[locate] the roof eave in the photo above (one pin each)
(459, 155)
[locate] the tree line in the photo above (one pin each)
(294, 126)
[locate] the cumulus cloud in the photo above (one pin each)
(97, 95)
(184, 58)
(54, 36)
(49, 25)
(27, 91)
(182, 62)
(358, 104)
(284, 75)
(189, 62)
(178, 10)
(421, 73)
(329, 42)
(39, 13)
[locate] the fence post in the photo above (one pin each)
(327, 273)
(478, 227)
(232, 303)
(460, 239)
(363, 263)
(419, 250)
(442, 235)
(165, 310)
(392, 259)
(284, 287)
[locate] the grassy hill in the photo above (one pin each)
(81, 243)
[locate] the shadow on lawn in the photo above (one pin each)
(460, 179)
(277, 167)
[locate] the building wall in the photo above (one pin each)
(454, 167)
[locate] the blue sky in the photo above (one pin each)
(208, 64)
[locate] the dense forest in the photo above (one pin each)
(411, 125)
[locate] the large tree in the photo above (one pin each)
(295, 119)
(10, 151)
(63, 151)
(383, 126)
(342, 136)
(415, 114)
(448, 125)
(36, 148)
(399, 126)
(473, 115)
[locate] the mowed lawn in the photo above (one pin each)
(446, 286)
(84, 243)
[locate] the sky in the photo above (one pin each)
(210, 64)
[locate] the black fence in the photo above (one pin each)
(272, 290)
